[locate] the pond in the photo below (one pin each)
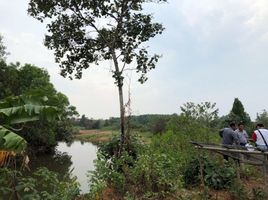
(76, 158)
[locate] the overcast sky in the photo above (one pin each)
(213, 50)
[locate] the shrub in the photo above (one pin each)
(216, 175)
(259, 194)
(154, 172)
(238, 192)
(43, 184)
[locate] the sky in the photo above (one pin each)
(213, 50)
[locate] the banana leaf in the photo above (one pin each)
(10, 141)
(26, 113)
(21, 109)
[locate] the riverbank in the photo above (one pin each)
(102, 136)
(95, 136)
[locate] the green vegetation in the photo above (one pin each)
(17, 84)
(42, 184)
(145, 157)
(168, 167)
(18, 110)
(154, 123)
(238, 113)
(121, 38)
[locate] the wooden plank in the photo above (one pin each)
(233, 150)
(244, 161)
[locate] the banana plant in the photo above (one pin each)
(17, 111)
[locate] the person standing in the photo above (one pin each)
(229, 137)
(260, 137)
(242, 135)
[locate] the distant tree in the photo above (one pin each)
(3, 49)
(89, 32)
(205, 112)
(96, 124)
(34, 78)
(159, 126)
(237, 113)
(9, 80)
(262, 118)
(86, 123)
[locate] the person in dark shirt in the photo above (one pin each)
(229, 137)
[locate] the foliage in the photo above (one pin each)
(9, 80)
(43, 184)
(21, 89)
(17, 110)
(143, 123)
(168, 163)
(262, 118)
(205, 112)
(107, 173)
(159, 126)
(216, 175)
(79, 40)
(124, 29)
(259, 193)
(24, 108)
(3, 51)
(10, 141)
(238, 191)
(238, 114)
(154, 172)
(89, 123)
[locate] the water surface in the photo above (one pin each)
(82, 156)
(76, 157)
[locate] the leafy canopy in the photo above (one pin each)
(86, 32)
(205, 112)
(3, 48)
(238, 113)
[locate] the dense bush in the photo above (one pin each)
(154, 172)
(217, 175)
(43, 184)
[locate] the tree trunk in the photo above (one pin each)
(122, 116)
(119, 81)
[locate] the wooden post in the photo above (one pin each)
(201, 171)
(265, 164)
(242, 159)
(237, 164)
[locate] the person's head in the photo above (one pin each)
(232, 125)
(259, 125)
(240, 126)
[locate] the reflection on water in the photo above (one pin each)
(76, 157)
(82, 156)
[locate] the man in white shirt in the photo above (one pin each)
(260, 137)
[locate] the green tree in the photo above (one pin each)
(16, 80)
(34, 78)
(205, 112)
(3, 52)
(238, 113)
(9, 80)
(88, 32)
(262, 118)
